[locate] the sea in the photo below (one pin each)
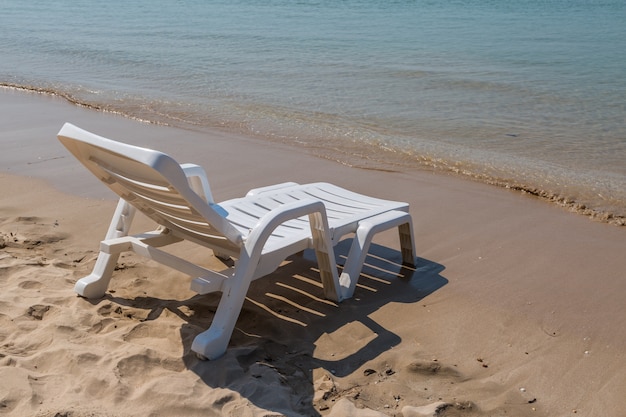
(524, 94)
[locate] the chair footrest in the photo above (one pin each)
(362, 240)
(385, 221)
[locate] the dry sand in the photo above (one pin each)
(516, 307)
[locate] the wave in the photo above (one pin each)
(76, 101)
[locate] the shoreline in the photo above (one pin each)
(515, 306)
(415, 163)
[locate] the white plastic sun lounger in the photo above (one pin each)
(259, 230)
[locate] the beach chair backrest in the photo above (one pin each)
(152, 182)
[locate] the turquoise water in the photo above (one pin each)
(529, 94)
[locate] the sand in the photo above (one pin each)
(515, 306)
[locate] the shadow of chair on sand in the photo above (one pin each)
(285, 317)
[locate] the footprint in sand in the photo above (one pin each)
(429, 368)
(111, 310)
(144, 364)
(155, 336)
(105, 325)
(105, 310)
(38, 311)
(30, 285)
(29, 233)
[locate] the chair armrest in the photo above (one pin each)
(198, 181)
(291, 211)
(274, 218)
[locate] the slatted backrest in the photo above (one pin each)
(152, 182)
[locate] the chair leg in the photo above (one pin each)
(95, 284)
(212, 343)
(325, 254)
(407, 243)
(354, 262)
